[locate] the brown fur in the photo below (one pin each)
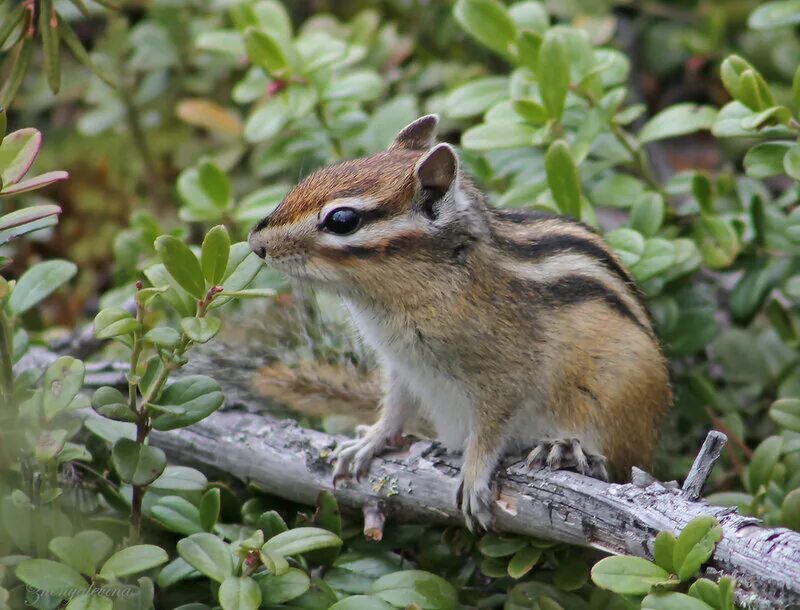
(386, 177)
(529, 320)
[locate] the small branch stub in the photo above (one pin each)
(374, 520)
(703, 463)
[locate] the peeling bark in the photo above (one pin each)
(418, 484)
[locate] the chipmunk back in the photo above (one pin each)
(509, 330)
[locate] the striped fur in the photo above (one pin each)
(502, 327)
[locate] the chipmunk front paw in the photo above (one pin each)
(353, 457)
(567, 454)
(476, 501)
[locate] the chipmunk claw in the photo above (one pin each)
(567, 454)
(476, 505)
(353, 457)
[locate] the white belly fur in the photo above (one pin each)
(445, 402)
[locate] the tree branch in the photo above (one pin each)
(417, 484)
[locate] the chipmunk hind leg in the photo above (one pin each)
(568, 453)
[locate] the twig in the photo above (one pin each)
(703, 463)
(374, 520)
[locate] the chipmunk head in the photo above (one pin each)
(351, 221)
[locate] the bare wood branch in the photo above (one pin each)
(374, 520)
(418, 484)
(703, 463)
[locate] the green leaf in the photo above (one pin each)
(215, 184)
(706, 591)
(39, 282)
(114, 322)
(791, 162)
(488, 22)
(48, 30)
(766, 159)
(177, 515)
(563, 179)
(180, 478)
(281, 589)
(214, 254)
(84, 551)
(777, 14)
(197, 396)
(695, 545)
(175, 571)
(109, 402)
(628, 244)
(361, 602)
(18, 150)
(249, 293)
(50, 576)
(182, 265)
(776, 115)
(301, 540)
(673, 601)
(201, 330)
(571, 574)
(678, 120)
(786, 413)
(763, 462)
(137, 464)
(728, 123)
(424, 589)
(62, 382)
(265, 51)
(647, 214)
(717, 240)
(663, 550)
(163, 336)
(22, 221)
(617, 191)
(495, 545)
(133, 560)
(530, 111)
(275, 563)
(476, 96)
(790, 510)
(628, 575)
(796, 90)
(362, 85)
(209, 509)
(495, 136)
(554, 72)
(658, 256)
(221, 41)
(239, 594)
(266, 121)
(523, 561)
(208, 555)
(90, 601)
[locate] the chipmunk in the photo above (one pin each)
(509, 330)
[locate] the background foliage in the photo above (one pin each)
(172, 126)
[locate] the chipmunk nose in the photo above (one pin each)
(256, 243)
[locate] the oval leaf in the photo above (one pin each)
(182, 265)
(39, 282)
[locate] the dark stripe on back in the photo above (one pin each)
(576, 289)
(554, 243)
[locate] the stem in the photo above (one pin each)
(6, 351)
(143, 424)
(640, 161)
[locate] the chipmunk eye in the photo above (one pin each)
(342, 221)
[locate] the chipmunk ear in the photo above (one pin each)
(418, 135)
(437, 169)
